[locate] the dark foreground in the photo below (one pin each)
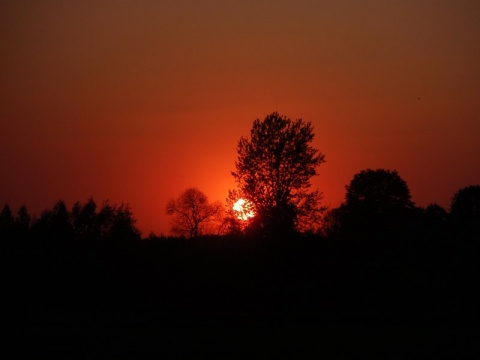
(238, 298)
(269, 336)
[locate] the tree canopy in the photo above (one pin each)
(378, 191)
(273, 171)
(465, 205)
(375, 200)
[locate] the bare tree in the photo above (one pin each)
(192, 214)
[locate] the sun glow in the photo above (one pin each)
(243, 209)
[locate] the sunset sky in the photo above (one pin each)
(135, 101)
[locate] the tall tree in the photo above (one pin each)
(273, 171)
(192, 214)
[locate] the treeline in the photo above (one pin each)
(379, 202)
(85, 221)
(378, 257)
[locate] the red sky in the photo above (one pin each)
(135, 101)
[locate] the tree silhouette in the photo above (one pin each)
(273, 170)
(466, 204)
(22, 220)
(123, 225)
(105, 219)
(6, 219)
(432, 221)
(55, 223)
(378, 191)
(435, 213)
(192, 214)
(84, 222)
(84, 218)
(375, 200)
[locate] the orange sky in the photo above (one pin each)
(135, 101)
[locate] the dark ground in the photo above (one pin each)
(219, 297)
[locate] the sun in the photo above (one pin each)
(243, 209)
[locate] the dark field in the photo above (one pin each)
(238, 297)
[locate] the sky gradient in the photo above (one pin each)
(136, 101)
